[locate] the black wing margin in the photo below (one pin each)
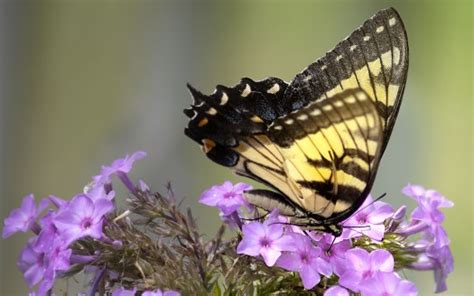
(374, 58)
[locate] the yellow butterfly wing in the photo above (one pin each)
(318, 140)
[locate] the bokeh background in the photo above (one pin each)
(85, 82)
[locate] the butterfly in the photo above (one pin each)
(317, 141)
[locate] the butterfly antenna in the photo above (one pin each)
(332, 244)
(359, 232)
(356, 226)
(255, 218)
(375, 200)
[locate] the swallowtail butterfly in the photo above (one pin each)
(316, 141)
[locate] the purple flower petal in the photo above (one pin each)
(381, 260)
(270, 255)
(124, 292)
(323, 267)
(121, 165)
(336, 291)
(288, 261)
(226, 197)
(388, 283)
(21, 219)
(351, 279)
(82, 217)
(358, 259)
(309, 277)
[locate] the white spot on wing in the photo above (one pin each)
(396, 55)
(338, 104)
(224, 99)
(211, 111)
(302, 117)
(307, 78)
(274, 89)
(350, 100)
(278, 127)
(379, 29)
(353, 47)
(361, 96)
(324, 67)
(338, 58)
(327, 107)
(246, 91)
(366, 38)
(392, 22)
(315, 112)
(289, 121)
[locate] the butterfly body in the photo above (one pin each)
(318, 140)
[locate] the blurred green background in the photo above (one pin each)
(85, 82)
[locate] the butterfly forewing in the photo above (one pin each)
(374, 57)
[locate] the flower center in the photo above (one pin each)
(86, 223)
(304, 258)
(367, 274)
(362, 219)
(265, 242)
(228, 195)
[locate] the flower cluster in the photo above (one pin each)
(59, 226)
(153, 244)
(376, 243)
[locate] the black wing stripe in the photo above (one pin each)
(250, 145)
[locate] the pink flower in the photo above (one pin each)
(266, 239)
(388, 283)
(336, 291)
(369, 220)
(226, 197)
(23, 218)
(306, 260)
(119, 167)
(360, 266)
(82, 217)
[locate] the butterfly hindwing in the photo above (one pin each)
(331, 150)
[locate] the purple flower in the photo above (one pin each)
(443, 263)
(306, 261)
(57, 201)
(266, 239)
(48, 233)
(31, 264)
(98, 192)
(119, 167)
(82, 217)
(440, 260)
(371, 215)
(336, 291)
(427, 216)
(124, 292)
(23, 218)
(158, 292)
(226, 197)
(360, 266)
(334, 253)
(388, 283)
